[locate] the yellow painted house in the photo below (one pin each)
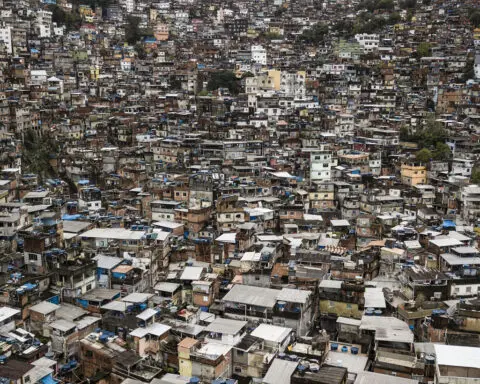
(341, 308)
(413, 174)
(184, 362)
(275, 75)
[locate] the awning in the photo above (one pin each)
(48, 380)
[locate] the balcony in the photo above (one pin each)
(130, 280)
(293, 314)
(249, 312)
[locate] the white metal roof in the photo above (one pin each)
(118, 306)
(387, 328)
(458, 236)
(354, 363)
(349, 321)
(412, 244)
(147, 314)
(191, 273)
(167, 224)
(226, 326)
(280, 372)
(270, 332)
(62, 325)
(458, 260)
(294, 295)
(214, 349)
(446, 242)
(374, 298)
(87, 321)
(7, 312)
(331, 284)
(456, 356)
(107, 262)
(340, 223)
(229, 237)
(113, 233)
(137, 297)
(166, 287)
(251, 295)
(44, 307)
(366, 377)
(155, 329)
(251, 256)
(465, 250)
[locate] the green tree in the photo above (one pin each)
(469, 71)
(475, 178)
(315, 35)
(132, 30)
(432, 133)
(394, 18)
(424, 155)
(442, 151)
(141, 53)
(404, 133)
(37, 151)
(58, 14)
(423, 49)
(475, 18)
(224, 79)
(386, 4)
(408, 4)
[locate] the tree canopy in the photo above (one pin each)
(224, 79)
(423, 49)
(71, 20)
(442, 151)
(424, 155)
(37, 152)
(132, 30)
(428, 136)
(315, 35)
(474, 18)
(475, 178)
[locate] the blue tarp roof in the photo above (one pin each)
(71, 217)
(48, 380)
(448, 224)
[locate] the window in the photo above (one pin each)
(89, 287)
(331, 304)
(240, 353)
(457, 290)
(32, 257)
(349, 306)
(88, 354)
(469, 289)
(238, 369)
(27, 379)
